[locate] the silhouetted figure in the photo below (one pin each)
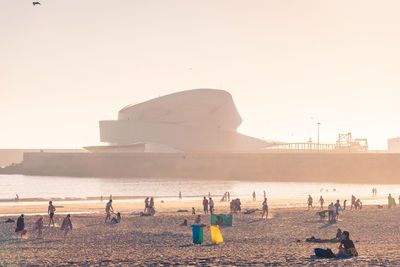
(265, 209)
(353, 201)
(50, 210)
(20, 225)
(254, 195)
(309, 202)
(321, 202)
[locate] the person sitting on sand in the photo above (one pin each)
(50, 210)
(20, 225)
(347, 246)
(39, 227)
(197, 220)
(339, 234)
(67, 225)
(116, 219)
(109, 209)
(184, 222)
(265, 209)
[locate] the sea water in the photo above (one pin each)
(41, 188)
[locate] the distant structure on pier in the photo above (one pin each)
(345, 143)
(192, 120)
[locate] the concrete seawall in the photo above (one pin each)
(380, 168)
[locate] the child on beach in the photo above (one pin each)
(66, 226)
(39, 227)
(50, 210)
(193, 211)
(109, 209)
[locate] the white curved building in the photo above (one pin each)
(192, 120)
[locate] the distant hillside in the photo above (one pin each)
(9, 156)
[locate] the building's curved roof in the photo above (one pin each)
(210, 108)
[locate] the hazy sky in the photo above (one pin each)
(67, 64)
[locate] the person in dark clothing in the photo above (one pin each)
(347, 246)
(20, 225)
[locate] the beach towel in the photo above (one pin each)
(197, 234)
(226, 219)
(216, 236)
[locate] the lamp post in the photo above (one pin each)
(318, 124)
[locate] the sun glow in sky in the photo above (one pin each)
(65, 65)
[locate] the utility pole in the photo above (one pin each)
(318, 124)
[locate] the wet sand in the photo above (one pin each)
(159, 240)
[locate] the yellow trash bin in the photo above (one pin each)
(216, 236)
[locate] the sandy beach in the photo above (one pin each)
(159, 240)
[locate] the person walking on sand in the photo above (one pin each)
(205, 205)
(344, 204)
(353, 202)
(151, 203)
(265, 209)
(109, 209)
(50, 210)
(390, 201)
(211, 204)
(67, 225)
(180, 195)
(337, 207)
(321, 201)
(331, 213)
(254, 195)
(309, 202)
(20, 225)
(229, 196)
(39, 227)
